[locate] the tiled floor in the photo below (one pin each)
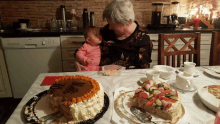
(7, 106)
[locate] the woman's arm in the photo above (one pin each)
(107, 35)
(144, 50)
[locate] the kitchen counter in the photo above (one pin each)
(182, 30)
(49, 33)
(43, 33)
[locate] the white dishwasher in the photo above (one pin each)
(26, 58)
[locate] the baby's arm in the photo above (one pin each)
(81, 55)
(80, 67)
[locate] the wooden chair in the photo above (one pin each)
(214, 58)
(166, 52)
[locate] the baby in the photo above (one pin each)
(89, 54)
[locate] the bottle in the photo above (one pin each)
(1, 23)
(92, 19)
(74, 22)
(217, 117)
(85, 18)
(53, 24)
(63, 13)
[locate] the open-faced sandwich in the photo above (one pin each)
(215, 90)
(159, 99)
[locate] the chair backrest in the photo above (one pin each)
(183, 52)
(214, 58)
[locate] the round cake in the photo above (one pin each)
(78, 97)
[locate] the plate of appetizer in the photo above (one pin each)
(161, 102)
(210, 96)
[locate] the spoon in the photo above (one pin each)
(141, 114)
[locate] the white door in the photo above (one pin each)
(5, 88)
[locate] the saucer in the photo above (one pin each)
(210, 121)
(195, 74)
(142, 79)
(21, 28)
(172, 83)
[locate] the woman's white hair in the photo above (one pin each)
(119, 11)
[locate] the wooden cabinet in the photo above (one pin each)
(69, 44)
(204, 49)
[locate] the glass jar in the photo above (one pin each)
(175, 7)
(60, 24)
(69, 24)
(175, 10)
(165, 19)
(156, 9)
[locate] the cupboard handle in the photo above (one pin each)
(77, 41)
(73, 50)
(154, 40)
(71, 63)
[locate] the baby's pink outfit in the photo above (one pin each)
(87, 51)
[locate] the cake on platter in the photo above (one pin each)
(159, 99)
(78, 97)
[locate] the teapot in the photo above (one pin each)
(184, 80)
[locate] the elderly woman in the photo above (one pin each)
(124, 42)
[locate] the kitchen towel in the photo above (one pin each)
(49, 80)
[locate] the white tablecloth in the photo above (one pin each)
(196, 111)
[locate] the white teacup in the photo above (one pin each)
(189, 67)
(153, 75)
(23, 25)
(184, 80)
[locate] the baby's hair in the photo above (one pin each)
(87, 30)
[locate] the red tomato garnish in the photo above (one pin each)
(161, 89)
(143, 95)
(136, 95)
(168, 106)
(167, 99)
(146, 82)
(161, 95)
(151, 100)
(168, 91)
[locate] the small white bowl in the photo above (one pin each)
(112, 70)
(165, 71)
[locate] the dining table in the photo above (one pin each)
(195, 111)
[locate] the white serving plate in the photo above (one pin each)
(212, 73)
(208, 99)
(117, 119)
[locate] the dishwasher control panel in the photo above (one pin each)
(37, 42)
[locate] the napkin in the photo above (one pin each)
(49, 80)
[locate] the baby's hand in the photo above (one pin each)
(109, 43)
(89, 61)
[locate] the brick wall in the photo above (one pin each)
(43, 10)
